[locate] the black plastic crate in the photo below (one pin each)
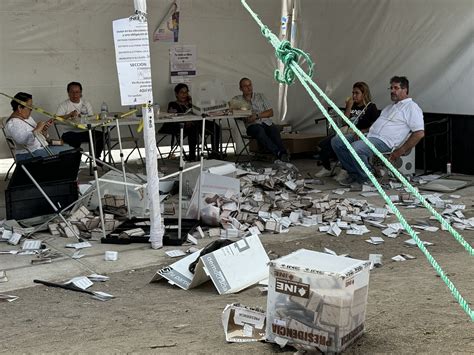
(56, 175)
(170, 236)
(27, 201)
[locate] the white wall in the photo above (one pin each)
(48, 43)
(429, 41)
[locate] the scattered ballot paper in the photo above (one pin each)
(332, 252)
(7, 298)
(175, 253)
(14, 238)
(411, 242)
(375, 240)
(102, 296)
(79, 245)
(31, 244)
(77, 254)
(81, 281)
(98, 278)
(3, 276)
(375, 260)
(191, 240)
(403, 257)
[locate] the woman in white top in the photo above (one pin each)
(29, 136)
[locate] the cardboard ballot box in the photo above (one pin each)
(317, 300)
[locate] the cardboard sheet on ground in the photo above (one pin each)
(444, 185)
(231, 268)
(214, 185)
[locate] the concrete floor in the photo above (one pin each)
(21, 272)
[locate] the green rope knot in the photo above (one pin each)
(288, 55)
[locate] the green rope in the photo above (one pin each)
(306, 81)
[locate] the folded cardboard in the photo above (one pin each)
(231, 268)
(243, 324)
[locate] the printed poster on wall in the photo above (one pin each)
(168, 28)
(182, 63)
(132, 53)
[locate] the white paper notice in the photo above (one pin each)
(182, 63)
(132, 55)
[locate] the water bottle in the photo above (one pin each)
(104, 109)
(156, 110)
(84, 113)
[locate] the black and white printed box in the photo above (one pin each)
(316, 300)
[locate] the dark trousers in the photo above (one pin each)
(326, 154)
(192, 130)
(268, 137)
(75, 139)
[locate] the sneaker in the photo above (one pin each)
(341, 175)
(348, 181)
(323, 173)
(317, 156)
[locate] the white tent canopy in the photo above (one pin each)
(46, 44)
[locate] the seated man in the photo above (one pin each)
(29, 136)
(387, 134)
(259, 125)
(75, 107)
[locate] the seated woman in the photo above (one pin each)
(29, 136)
(361, 111)
(192, 130)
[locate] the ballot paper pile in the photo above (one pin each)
(316, 300)
(85, 224)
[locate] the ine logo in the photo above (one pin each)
(292, 288)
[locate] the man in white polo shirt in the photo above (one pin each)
(73, 108)
(399, 128)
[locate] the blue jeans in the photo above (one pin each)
(268, 137)
(365, 153)
(55, 149)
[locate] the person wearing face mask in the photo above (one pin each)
(399, 128)
(29, 135)
(75, 107)
(362, 112)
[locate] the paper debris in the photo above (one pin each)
(7, 298)
(81, 281)
(375, 240)
(403, 257)
(376, 260)
(175, 253)
(77, 254)
(31, 244)
(411, 242)
(79, 245)
(3, 276)
(98, 278)
(191, 239)
(14, 238)
(243, 324)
